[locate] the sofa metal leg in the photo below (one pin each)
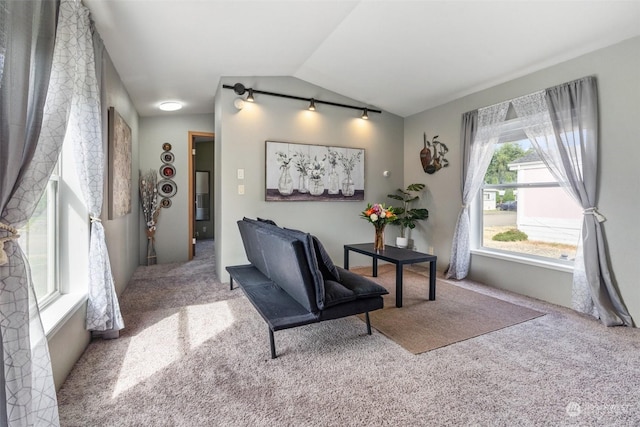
(272, 343)
(368, 323)
(230, 283)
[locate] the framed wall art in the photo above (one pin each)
(119, 179)
(296, 172)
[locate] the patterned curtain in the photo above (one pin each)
(85, 135)
(33, 114)
(480, 132)
(562, 124)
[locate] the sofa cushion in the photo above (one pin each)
(361, 286)
(267, 221)
(325, 264)
(335, 293)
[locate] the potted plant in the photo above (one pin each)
(407, 217)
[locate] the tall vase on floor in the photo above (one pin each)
(378, 242)
(151, 248)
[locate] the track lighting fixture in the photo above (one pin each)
(240, 89)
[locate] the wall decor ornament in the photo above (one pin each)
(165, 203)
(167, 188)
(167, 157)
(432, 155)
(296, 172)
(166, 146)
(119, 181)
(167, 171)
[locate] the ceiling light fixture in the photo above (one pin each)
(240, 89)
(170, 106)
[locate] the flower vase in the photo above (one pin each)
(348, 186)
(334, 182)
(151, 248)
(378, 242)
(303, 184)
(285, 183)
(316, 186)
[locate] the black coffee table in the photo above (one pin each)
(399, 257)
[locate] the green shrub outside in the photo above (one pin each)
(512, 235)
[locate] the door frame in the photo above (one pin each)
(191, 146)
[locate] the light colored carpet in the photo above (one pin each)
(196, 354)
(456, 314)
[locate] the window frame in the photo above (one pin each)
(512, 131)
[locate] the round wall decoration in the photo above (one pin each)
(165, 203)
(167, 157)
(167, 171)
(167, 188)
(166, 146)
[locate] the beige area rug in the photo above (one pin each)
(457, 314)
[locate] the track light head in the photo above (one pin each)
(312, 105)
(250, 96)
(365, 114)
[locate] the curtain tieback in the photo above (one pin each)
(14, 236)
(594, 211)
(95, 219)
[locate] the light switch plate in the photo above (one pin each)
(240, 173)
(241, 189)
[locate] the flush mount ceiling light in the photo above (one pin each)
(170, 106)
(240, 89)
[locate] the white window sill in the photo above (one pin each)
(55, 314)
(549, 263)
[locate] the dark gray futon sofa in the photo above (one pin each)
(291, 280)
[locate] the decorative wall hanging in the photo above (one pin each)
(167, 157)
(313, 172)
(167, 188)
(119, 181)
(432, 155)
(167, 171)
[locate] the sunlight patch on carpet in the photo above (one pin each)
(168, 340)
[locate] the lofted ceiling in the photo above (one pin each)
(401, 56)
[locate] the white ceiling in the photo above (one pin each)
(400, 56)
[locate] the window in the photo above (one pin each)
(530, 213)
(39, 241)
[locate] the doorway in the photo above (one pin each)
(201, 220)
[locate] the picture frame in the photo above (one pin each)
(310, 172)
(119, 165)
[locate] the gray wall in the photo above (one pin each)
(172, 235)
(240, 144)
(617, 69)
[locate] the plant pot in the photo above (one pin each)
(402, 242)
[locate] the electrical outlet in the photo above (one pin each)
(241, 189)
(204, 229)
(430, 250)
(197, 234)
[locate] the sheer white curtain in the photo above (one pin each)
(34, 109)
(562, 124)
(85, 135)
(478, 146)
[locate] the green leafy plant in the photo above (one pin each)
(511, 235)
(407, 217)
